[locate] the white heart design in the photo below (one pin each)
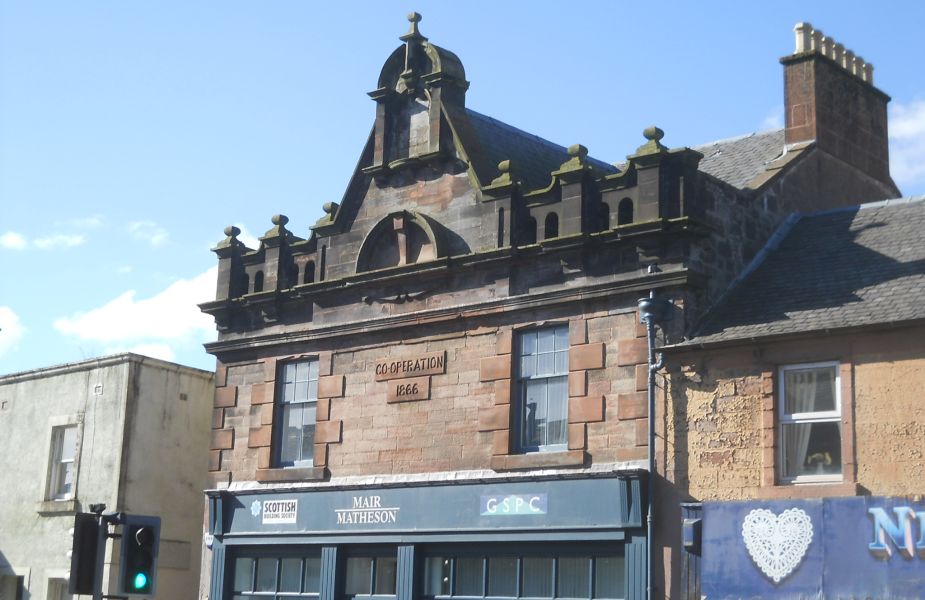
(777, 543)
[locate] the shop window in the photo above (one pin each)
(542, 390)
(276, 577)
(809, 423)
(297, 398)
(525, 576)
(371, 576)
(61, 470)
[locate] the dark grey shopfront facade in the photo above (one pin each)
(565, 536)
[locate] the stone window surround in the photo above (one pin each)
(48, 505)
(771, 486)
(582, 409)
(260, 438)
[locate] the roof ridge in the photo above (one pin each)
(868, 205)
(737, 138)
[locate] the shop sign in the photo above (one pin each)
(518, 504)
(366, 510)
(832, 547)
(276, 512)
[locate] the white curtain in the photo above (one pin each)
(800, 388)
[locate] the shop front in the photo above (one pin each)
(538, 538)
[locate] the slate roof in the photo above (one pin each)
(532, 157)
(850, 267)
(739, 160)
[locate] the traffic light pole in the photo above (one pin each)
(103, 535)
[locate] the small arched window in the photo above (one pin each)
(309, 276)
(551, 229)
(625, 212)
(258, 281)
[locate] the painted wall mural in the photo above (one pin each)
(833, 547)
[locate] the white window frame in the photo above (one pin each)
(521, 391)
(281, 404)
(825, 416)
(57, 589)
(56, 463)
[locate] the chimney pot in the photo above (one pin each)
(816, 41)
(868, 73)
(828, 46)
(838, 50)
(804, 32)
(847, 61)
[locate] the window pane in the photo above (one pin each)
(557, 411)
(313, 370)
(546, 364)
(811, 448)
(562, 338)
(301, 373)
(537, 578)
(359, 575)
(290, 574)
(243, 574)
(561, 363)
(468, 577)
(67, 479)
(288, 393)
(313, 390)
(289, 373)
(301, 391)
(266, 575)
(312, 575)
(291, 442)
(385, 575)
(533, 419)
(809, 390)
(608, 577)
(437, 576)
(527, 366)
(308, 432)
(528, 343)
(502, 576)
(68, 443)
(574, 577)
(545, 340)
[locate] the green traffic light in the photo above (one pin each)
(140, 581)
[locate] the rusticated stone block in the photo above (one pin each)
(501, 442)
(266, 414)
(538, 460)
(577, 436)
(492, 368)
(261, 393)
(577, 383)
(632, 406)
(642, 377)
(263, 458)
(218, 418)
(226, 396)
(577, 332)
(320, 458)
(328, 431)
(503, 391)
(331, 386)
(587, 356)
(215, 460)
(323, 409)
(642, 431)
(269, 369)
(325, 363)
(632, 352)
(504, 341)
(222, 439)
(258, 437)
(495, 418)
(589, 409)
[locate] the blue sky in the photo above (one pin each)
(132, 133)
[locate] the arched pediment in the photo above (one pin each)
(401, 238)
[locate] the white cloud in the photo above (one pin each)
(907, 142)
(52, 242)
(247, 238)
(774, 119)
(168, 318)
(148, 231)
(11, 330)
(13, 241)
(94, 222)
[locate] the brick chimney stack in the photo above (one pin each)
(829, 97)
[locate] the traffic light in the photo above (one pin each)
(138, 564)
(84, 551)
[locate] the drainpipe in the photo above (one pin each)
(652, 311)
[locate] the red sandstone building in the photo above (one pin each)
(440, 390)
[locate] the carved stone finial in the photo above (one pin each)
(330, 207)
(505, 177)
(504, 166)
(413, 32)
(232, 231)
(577, 150)
(280, 220)
(653, 133)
